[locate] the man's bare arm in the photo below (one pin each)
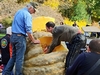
(33, 39)
(54, 43)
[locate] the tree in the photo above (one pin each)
(7, 22)
(65, 8)
(93, 9)
(79, 11)
(97, 10)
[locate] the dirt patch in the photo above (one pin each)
(8, 8)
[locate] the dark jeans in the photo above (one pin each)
(78, 42)
(4, 69)
(19, 48)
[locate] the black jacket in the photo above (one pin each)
(4, 47)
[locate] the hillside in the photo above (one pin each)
(8, 9)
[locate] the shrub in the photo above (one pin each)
(52, 3)
(7, 22)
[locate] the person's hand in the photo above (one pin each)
(36, 41)
(45, 50)
(87, 49)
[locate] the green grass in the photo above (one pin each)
(1, 35)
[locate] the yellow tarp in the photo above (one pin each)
(61, 47)
(38, 23)
(46, 41)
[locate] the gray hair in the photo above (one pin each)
(29, 5)
(33, 5)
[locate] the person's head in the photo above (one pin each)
(9, 31)
(49, 26)
(61, 23)
(32, 7)
(74, 24)
(94, 45)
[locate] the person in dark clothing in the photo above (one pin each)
(62, 23)
(68, 34)
(86, 60)
(75, 25)
(6, 48)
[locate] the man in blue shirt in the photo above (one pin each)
(21, 27)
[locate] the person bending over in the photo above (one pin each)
(68, 34)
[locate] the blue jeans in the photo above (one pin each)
(4, 69)
(19, 48)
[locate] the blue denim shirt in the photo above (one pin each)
(22, 22)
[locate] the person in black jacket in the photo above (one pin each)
(70, 34)
(6, 48)
(85, 61)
